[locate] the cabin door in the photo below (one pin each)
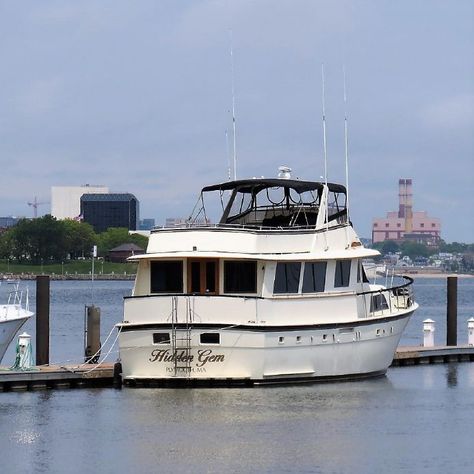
(203, 276)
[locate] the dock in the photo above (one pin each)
(106, 375)
(412, 355)
(57, 377)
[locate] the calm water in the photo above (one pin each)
(416, 419)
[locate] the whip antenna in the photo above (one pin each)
(346, 143)
(233, 106)
(229, 177)
(325, 148)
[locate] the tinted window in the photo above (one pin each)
(161, 338)
(287, 277)
(166, 277)
(378, 303)
(314, 277)
(364, 275)
(240, 277)
(343, 273)
(210, 338)
(195, 277)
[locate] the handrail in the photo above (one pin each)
(250, 227)
(400, 296)
(380, 290)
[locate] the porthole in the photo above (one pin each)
(281, 340)
(298, 339)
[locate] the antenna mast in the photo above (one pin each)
(324, 131)
(228, 155)
(346, 143)
(325, 153)
(233, 106)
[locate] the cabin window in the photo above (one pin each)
(314, 277)
(343, 273)
(210, 338)
(287, 277)
(166, 276)
(240, 276)
(161, 338)
(378, 303)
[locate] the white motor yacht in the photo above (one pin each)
(274, 292)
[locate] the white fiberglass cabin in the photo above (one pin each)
(274, 292)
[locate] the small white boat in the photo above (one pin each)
(275, 292)
(13, 314)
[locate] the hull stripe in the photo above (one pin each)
(252, 328)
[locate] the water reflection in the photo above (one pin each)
(452, 375)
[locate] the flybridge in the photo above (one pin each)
(276, 203)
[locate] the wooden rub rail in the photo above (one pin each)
(432, 355)
(48, 377)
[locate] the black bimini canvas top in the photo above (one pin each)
(252, 185)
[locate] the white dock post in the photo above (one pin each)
(428, 333)
(470, 331)
(24, 353)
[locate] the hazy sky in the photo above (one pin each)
(136, 96)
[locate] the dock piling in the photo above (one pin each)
(42, 320)
(92, 335)
(452, 312)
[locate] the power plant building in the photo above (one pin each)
(406, 224)
(103, 211)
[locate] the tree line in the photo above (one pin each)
(415, 249)
(47, 239)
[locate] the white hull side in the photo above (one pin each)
(261, 355)
(8, 329)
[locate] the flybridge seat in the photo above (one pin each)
(277, 203)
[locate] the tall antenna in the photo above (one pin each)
(324, 130)
(346, 142)
(233, 106)
(325, 152)
(229, 177)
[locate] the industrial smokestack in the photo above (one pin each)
(401, 198)
(408, 206)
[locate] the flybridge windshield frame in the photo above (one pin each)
(272, 203)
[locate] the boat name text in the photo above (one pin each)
(204, 356)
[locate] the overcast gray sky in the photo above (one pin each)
(136, 96)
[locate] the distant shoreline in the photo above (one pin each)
(78, 277)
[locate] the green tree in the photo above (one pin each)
(414, 249)
(389, 246)
(37, 240)
(116, 236)
(5, 244)
(79, 238)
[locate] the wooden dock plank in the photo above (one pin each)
(56, 377)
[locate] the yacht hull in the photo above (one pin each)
(8, 329)
(259, 354)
